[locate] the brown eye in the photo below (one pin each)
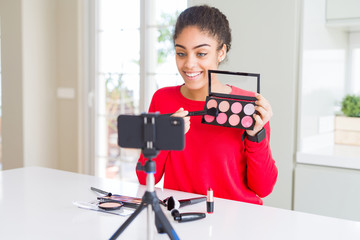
(180, 54)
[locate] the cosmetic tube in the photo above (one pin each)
(210, 201)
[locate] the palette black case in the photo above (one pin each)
(233, 110)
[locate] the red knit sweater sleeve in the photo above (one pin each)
(261, 169)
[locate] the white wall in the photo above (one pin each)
(68, 73)
(265, 40)
(39, 82)
(12, 85)
(40, 53)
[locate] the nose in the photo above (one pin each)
(190, 61)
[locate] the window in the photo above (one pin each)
(354, 54)
(134, 57)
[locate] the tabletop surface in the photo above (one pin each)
(37, 203)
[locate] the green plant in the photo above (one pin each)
(165, 31)
(350, 106)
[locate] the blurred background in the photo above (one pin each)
(70, 67)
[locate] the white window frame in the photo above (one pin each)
(88, 41)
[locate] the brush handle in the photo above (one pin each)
(195, 113)
(101, 191)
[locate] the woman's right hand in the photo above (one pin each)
(182, 113)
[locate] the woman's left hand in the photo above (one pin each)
(263, 115)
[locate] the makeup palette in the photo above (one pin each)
(109, 206)
(234, 111)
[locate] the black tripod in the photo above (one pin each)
(149, 199)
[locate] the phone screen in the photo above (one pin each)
(168, 131)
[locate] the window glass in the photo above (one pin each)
(355, 70)
(117, 82)
(166, 71)
(354, 52)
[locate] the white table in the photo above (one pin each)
(36, 203)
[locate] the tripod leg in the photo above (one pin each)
(158, 225)
(128, 221)
(162, 223)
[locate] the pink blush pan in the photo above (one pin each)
(221, 118)
(211, 104)
(247, 121)
(234, 120)
(224, 106)
(209, 118)
(249, 109)
(236, 107)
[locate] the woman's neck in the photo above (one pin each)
(195, 95)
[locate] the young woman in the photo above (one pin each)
(235, 163)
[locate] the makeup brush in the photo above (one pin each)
(211, 111)
(109, 194)
(173, 203)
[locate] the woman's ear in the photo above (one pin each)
(222, 53)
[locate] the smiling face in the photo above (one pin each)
(196, 52)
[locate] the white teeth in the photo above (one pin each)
(192, 74)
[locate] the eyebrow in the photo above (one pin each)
(198, 46)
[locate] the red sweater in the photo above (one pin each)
(214, 157)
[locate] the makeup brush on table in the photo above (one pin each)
(173, 203)
(211, 111)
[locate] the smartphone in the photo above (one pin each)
(166, 132)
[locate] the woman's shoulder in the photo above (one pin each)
(166, 91)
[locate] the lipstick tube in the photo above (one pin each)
(210, 201)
